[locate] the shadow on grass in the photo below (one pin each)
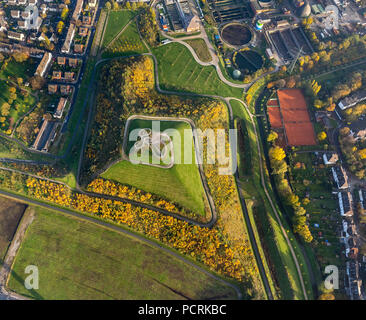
(29, 293)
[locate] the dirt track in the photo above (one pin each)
(27, 219)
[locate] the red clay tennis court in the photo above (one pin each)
(272, 102)
(274, 115)
(293, 110)
(300, 134)
(291, 99)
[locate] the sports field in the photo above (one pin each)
(181, 183)
(81, 260)
(293, 115)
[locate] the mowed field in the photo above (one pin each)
(128, 43)
(200, 47)
(179, 71)
(116, 22)
(10, 214)
(80, 260)
(181, 183)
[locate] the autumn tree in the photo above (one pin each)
(322, 136)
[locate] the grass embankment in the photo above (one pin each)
(80, 260)
(128, 43)
(200, 47)
(117, 20)
(72, 138)
(274, 244)
(181, 183)
(178, 71)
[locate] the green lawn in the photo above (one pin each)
(200, 47)
(80, 260)
(24, 69)
(128, 43)
(116, 22)
(180, 72)
(181, 183)
(21, 104)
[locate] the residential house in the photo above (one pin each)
(33, 2)
(65, 89)
(354, 281)
(25, 14)
(345, 204)
(60, 108)
(70, 35)
(340, 177)
(56, 75)
(330, 158)
(61, 61)
(352, 99)
(52, 88)
(3, 24)
(86, 20)
(69, 76)
(92, 3)
(16, 36)
(15, 14)
(23, 24)
(45, 135)
(43, 65)
(22, 2)
(77, 11)
(78, 48)
(73, 63)
(358, 133)
(12, 2)
(83, 31)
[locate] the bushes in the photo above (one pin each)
(279, 168)
(148, 27)
(201, 244)
(115, 189)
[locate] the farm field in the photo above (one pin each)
(200, 47)
(10, 214)
(128, 43)
(179, 71)
(181, 183)
(116, 22)
(80, 260)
